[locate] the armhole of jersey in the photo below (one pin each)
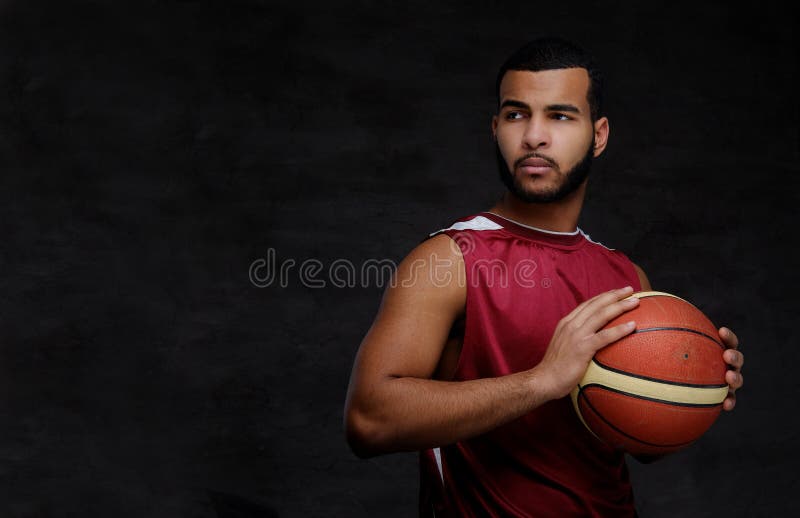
(637, 282)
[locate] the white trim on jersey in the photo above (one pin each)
(438, 454)
(574, 232)
(539, 229)
(482, 223)
(476, 223)
(593, 241)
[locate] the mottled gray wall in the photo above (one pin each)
(151, 151)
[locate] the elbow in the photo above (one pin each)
(363, 434)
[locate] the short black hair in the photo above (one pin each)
(552, 53)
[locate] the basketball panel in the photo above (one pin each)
(614, 438)
(658, 311)
(668, 355)
(659, 423)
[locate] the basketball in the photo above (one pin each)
(660, 388)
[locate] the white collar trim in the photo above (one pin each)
(573, 233)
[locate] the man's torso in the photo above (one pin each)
(520, 282)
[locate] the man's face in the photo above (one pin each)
(544, 133)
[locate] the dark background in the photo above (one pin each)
(152, 151)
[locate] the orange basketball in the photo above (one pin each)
(660, 388)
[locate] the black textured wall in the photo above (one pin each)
(154, 154)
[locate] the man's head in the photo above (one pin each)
(554, 54)
(549, 124)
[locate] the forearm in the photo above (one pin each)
(407, 413)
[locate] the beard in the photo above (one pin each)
(569, 181)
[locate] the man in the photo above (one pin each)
(476, 347)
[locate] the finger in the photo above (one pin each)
(734, 379)
(733, 358)
(604, 299)
(605, 314)
(611, 335)
(580, 308)
(729, 338)
(729, 403)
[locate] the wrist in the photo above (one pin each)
(541, 386)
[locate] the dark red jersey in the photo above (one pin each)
(520, 282)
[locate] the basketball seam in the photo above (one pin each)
(600, 416)
(688, 330)
(658, 380)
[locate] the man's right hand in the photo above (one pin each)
(579, 335)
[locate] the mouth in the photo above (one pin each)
(535, 166)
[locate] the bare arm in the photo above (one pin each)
(393, 405)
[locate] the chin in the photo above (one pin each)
(538, 187)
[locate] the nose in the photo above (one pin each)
(537, 134)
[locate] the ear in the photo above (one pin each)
(494, 127)
(600, 135)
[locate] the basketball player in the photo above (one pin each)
(490, 323)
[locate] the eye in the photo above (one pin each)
(514, 115)
(560, 117)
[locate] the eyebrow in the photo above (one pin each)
(551, 107)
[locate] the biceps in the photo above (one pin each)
(414, 320)
(407, 345)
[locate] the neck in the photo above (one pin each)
(557, 216)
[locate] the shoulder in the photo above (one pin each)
(428, 281)
(439, 245)
(643, 280)
(620, 257)
(472, 222)
(623, 257)
(433, 265)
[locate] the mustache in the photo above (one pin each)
(546, 158)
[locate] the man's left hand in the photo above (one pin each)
(735, 360)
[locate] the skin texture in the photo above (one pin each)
(533, 125)
(399, 397)
(543, 115)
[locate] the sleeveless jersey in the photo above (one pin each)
(520, 282)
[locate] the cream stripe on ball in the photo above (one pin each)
(639, 387)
